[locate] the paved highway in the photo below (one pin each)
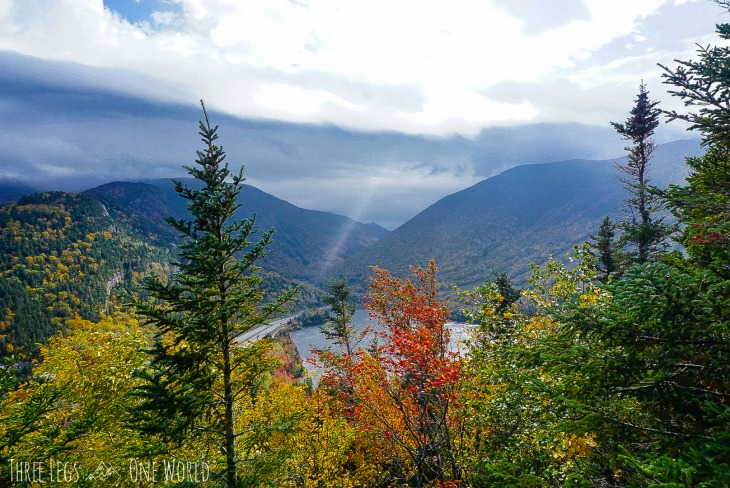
(264, 330)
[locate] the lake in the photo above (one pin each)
(309, 338)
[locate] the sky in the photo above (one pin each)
(369, 109)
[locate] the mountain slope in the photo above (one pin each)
(510, 220)
(141, 206)
(61, 255)
(307, 243)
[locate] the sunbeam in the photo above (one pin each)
(336, 249)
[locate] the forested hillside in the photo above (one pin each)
(61, 254)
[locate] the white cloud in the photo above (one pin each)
(163, 18)
(297, 101)
(455, 110)
(339, 62)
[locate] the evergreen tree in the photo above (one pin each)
(198, 369)
(703, 205)
(606, 249)
(345, 338)
(643, 230)
(507, 292)
(339, 329)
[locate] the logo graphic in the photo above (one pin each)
(104, 471)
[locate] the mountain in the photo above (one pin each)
(307, 243)
(506, 222)
(11, 190)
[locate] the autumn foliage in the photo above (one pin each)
(402, 390)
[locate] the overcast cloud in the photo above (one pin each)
(409, 66)
(441, 87)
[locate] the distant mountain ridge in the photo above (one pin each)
(66, 254)
(502, 223)
(307, 243)
(517, 217)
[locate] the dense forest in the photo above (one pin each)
(60, 256)
(610, 368)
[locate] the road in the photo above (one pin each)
(264, 330)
